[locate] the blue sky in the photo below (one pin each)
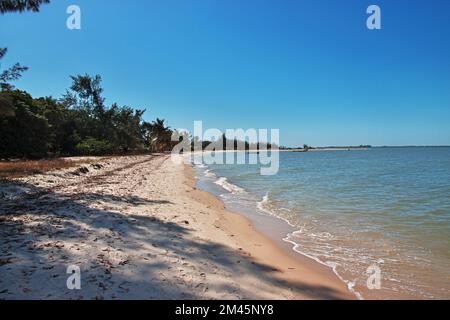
(310, 68)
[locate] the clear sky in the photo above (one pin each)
(308, 67)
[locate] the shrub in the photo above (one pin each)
(94, 147)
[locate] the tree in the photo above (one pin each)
(120, 126)
(11, 74)
(160, 136)
(180, 141)
(78, 124)
(84, 97)
(26, 133)
(223, 142)
(58, 118)
(21, 5)
(6, 105)
(86, 93)
(196, 144)
(128, 134)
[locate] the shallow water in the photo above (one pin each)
(383, 207)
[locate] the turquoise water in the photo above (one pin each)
(388, 207)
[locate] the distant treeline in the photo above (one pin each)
(362, 146)
(224, 143)
(306, 147)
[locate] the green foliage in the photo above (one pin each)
(25, 133)
(94, 147)
(6, 105)
(77, 124)
(11, 74)
(158, 136)
(21, 5)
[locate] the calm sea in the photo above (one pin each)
(351, 210)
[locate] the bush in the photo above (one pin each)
(94, 147)
(23, 133)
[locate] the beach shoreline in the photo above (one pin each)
(139, 228)
(237, 189)
(268, 247)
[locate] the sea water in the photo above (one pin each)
(353, 210)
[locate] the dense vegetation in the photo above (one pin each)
(77, 124)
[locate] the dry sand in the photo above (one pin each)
(138, 228)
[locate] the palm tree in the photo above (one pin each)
(160, 136)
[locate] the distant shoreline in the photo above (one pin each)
(354, 148)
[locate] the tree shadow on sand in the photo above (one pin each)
(42, 232)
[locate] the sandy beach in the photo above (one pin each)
(138, 228)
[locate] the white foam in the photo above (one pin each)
(208, 173)
(224, 183)
(264, 206)
(332, 265)
(264, 203)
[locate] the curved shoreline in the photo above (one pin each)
(296, 246)
(291, 265)
(279, 230)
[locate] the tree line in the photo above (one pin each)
(79, 123)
